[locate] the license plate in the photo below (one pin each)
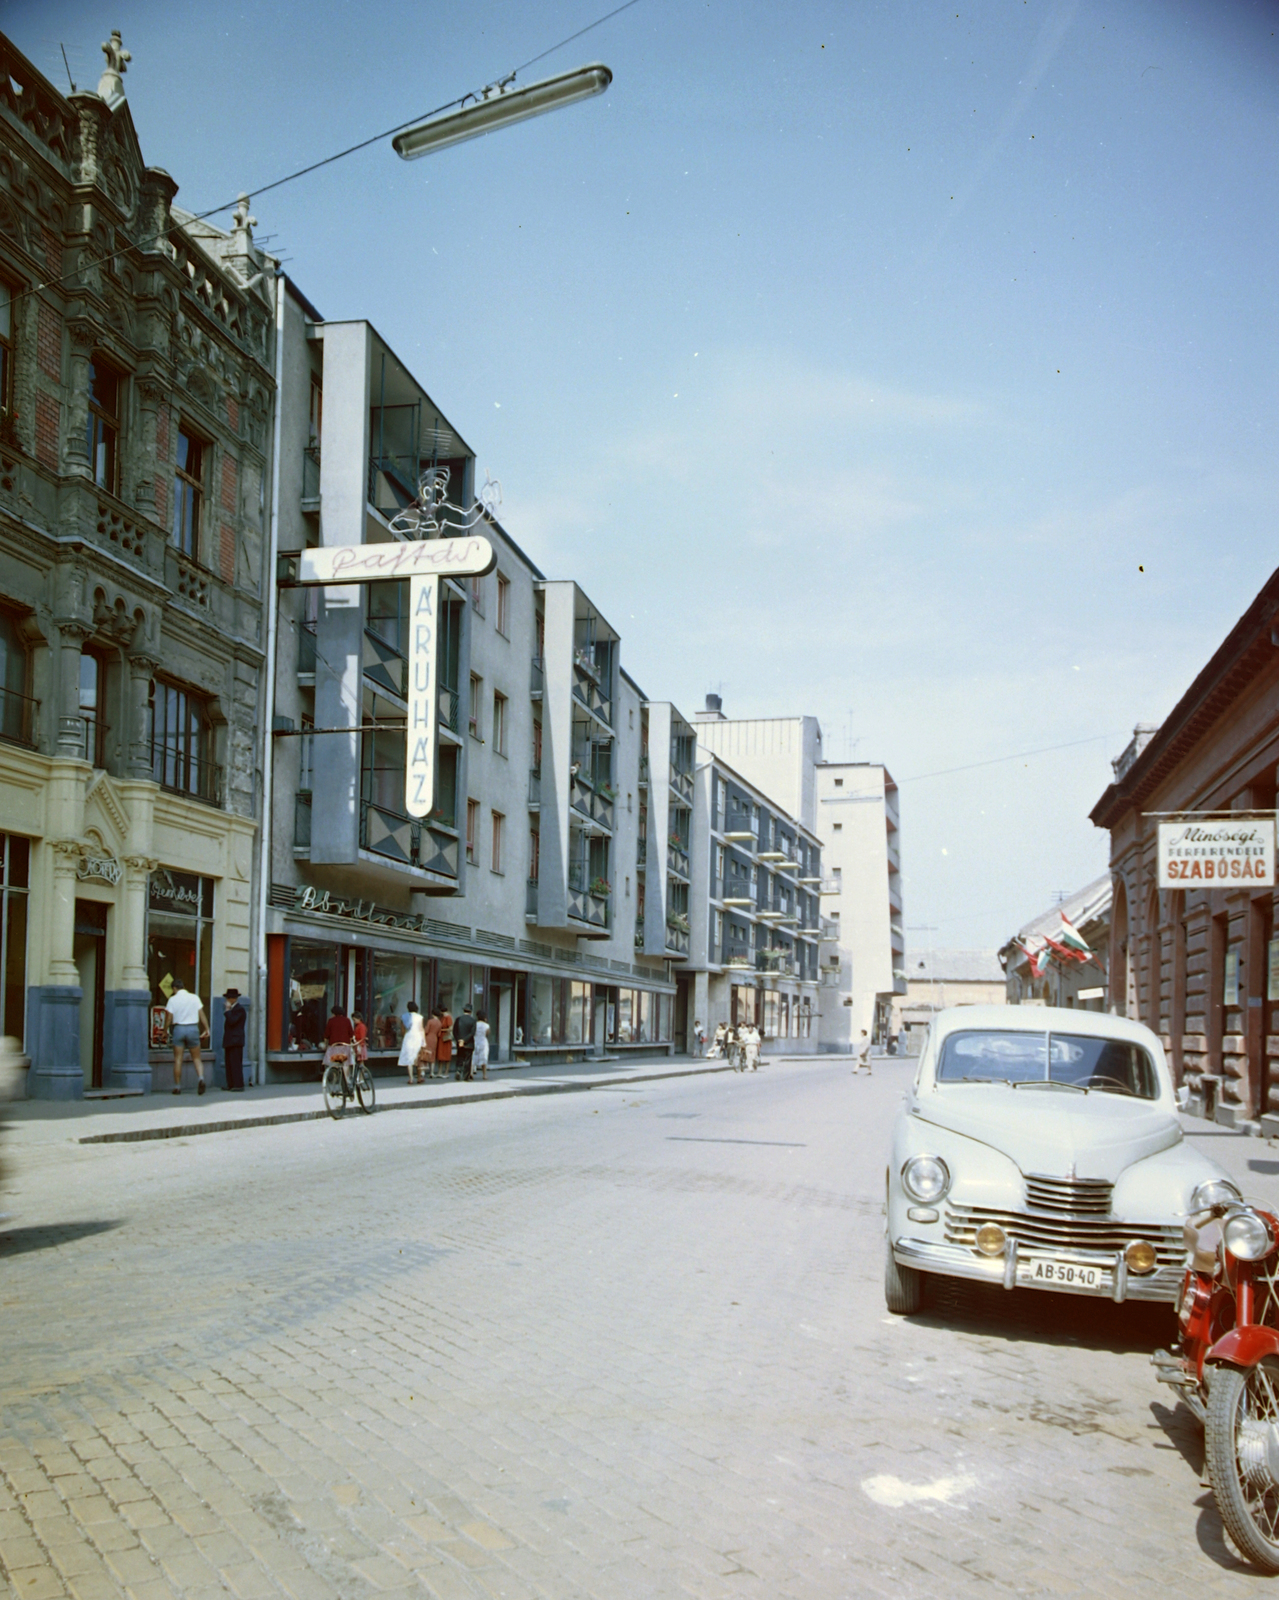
(1062, 1274)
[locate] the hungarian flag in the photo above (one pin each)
(1073, 939)
(1039, 957)
(1063, 950)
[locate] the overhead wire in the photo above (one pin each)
(326, 161)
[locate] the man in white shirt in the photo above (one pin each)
(188, 1025)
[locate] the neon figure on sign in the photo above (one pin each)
(431, 513)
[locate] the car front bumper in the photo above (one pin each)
(1101, 1276)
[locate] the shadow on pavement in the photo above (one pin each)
(1184, 1433)
(18, 1241)
(1030, 1315)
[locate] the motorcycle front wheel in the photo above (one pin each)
(1242, 1445)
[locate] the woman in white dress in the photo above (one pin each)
(414, 1039)
(480, 1059)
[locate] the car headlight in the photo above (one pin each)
(1216, 1192)
(926, 1178)
(1247, 1235)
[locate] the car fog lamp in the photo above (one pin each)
(1246, 1236)
(926, 1178)
(1216, 1192)
(1141, 1256)
(991, 1239)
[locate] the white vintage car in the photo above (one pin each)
(1040, 1148)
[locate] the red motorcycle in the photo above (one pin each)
(1226, 1363)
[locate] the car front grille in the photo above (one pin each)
(1045, 1231)
(1076, 1197)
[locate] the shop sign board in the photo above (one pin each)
(423, 562)
(1217, 854)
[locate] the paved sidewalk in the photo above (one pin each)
(164, 1116)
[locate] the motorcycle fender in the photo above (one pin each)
(1244, 1347)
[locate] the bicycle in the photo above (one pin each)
(737, 1056)
(341, 1086)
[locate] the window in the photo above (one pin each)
(499, 822)
(179, 940)
(6, 345)
(17, 720)
(388, 615)
(314, 989)
(477, 689)
(499, 723)
(839, 827)
(472, 830)
(315, 420)
(93, 672)
(104, 424)
(382, 752)
(15, 864)
(534, 854)
(180, 743)
(477, 595)
(188, 494)
(537, 747)
(839, 783)
(504, 605)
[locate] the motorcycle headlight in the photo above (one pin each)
(1216, 1192)
(926, 1178)
(1247, 1236)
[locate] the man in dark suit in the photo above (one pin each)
(464, 1038)
(234, 1019)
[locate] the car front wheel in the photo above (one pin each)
(903, 1286)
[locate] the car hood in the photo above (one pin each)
(1051, 1131)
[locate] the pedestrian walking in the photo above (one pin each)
(413, 1042)
(751, 1044)
(480, 1058)
(444, 1046)
(699, 1039)
(361, 1032)
(718, 1041)
(187, 1026)
(464, 1038)
(431, 1042)
(234, 1021)
(863, 1054)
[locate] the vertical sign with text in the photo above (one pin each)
(419, 763)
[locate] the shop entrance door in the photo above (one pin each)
(601, 1020)
(501, 1018)
(89, 953)
(683, 1035)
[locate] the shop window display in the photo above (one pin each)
(313, 992)
(453, 986)
(179, 941)
(393, 988)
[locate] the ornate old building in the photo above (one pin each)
(136, 349)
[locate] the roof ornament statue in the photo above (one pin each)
(111, 83)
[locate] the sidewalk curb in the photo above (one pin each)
(513, 1092)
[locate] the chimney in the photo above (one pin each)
(714, 706)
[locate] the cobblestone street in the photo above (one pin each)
(629, 1342)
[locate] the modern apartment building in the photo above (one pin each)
(754, 931)
(852, 808)
(520, 891)
(860, 826)
(135, 406)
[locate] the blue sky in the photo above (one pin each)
(911, 365)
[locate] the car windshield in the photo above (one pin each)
(1074, 1060)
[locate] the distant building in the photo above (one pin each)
(936, 979)
(1200, 963)
(852, 808)
(1064, 982)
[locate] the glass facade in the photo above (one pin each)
(394, 985)
(179, 941)
(314, 989)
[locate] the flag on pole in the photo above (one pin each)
(1072, 938)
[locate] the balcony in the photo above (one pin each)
(682, 784)
(175, 768)
(450, 709)
(643, 772)
(677, 862)
(641, 851)
(534, 787)
(780, 963)
(587, 692)
(391, 834)
(584, 660)
(302, 820)
(831, 886)
(530, 900)
(311, 478)
(738, 956)
(639, 933)
(537, 678)
(677, 939)
(306, 649)
(589, 908)
(737, 892)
